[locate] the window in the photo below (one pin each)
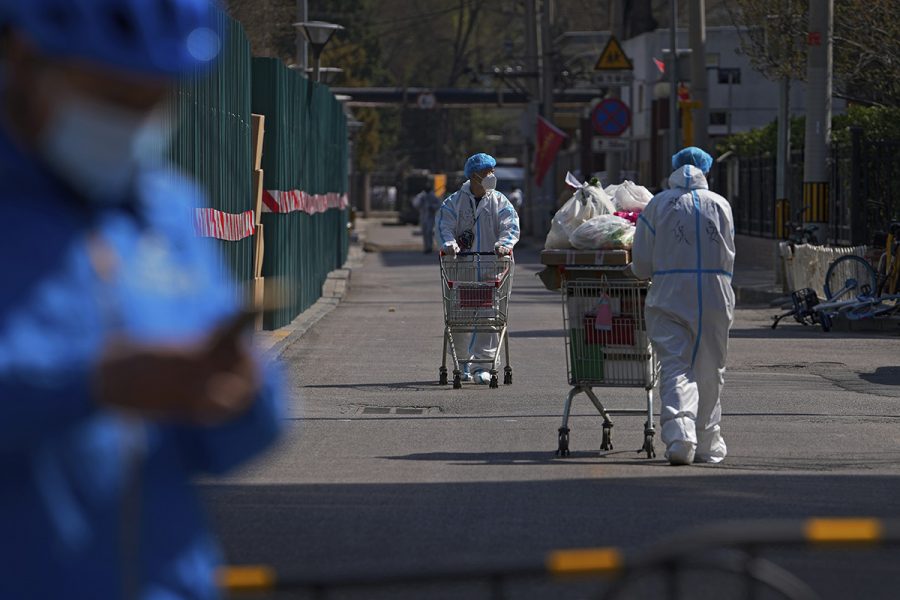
(733, 74)
(718, 117)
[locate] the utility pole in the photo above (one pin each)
(818, 117)
(617, 28)
(781, 47)
(673, 81)
(697, 34)
(529, 124)
(301, 43)
(547, 80)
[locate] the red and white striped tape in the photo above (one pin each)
(209, 222)
(277, 201)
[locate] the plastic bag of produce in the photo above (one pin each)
(587, 202)
(630, 197)
(604, 232)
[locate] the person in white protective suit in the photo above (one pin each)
(478, 218)
(685, 243)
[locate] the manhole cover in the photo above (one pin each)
(398, 410)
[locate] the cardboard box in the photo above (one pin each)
(259, 297)
(616, 258)
(258, 177)
(258, 126)
(259, 252)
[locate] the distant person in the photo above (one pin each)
(685, 242)
(427, 204)
(517, 198)
(125, 366)
(478, 218)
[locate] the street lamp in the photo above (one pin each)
(318, 34)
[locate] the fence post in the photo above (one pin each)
(858, 218)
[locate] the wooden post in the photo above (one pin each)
(258, 134)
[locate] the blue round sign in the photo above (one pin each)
(611, 117)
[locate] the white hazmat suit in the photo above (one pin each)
(493, 222)
(685, 243)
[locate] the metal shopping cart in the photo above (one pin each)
(476, 288)
(606, 344)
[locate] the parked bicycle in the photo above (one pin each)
(854, 289)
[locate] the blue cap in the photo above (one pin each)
(157, 37)
(692, 156)
(479, 162)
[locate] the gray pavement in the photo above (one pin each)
(382, 470)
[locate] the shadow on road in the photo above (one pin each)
(883, 376)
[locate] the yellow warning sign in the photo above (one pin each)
(613, 58)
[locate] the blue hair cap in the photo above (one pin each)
(692, 156)
(479, 162)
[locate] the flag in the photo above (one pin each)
(660, 65)
(549, 139)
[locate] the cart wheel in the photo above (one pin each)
(563, 449)
(442, 380)
(825, 320)
(494, 382)
(457, 380)
(507, 376)
(606, 443)
(648, 445)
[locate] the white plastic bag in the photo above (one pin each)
(587, 202)
(630, 197)
(604, 232)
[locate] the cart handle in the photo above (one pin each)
(473, 254)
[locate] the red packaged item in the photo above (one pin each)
(631, 216)
(478, 297)
(621, 334)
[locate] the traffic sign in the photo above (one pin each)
(605, 144)
(613, 58)
(611, 117)
(613, 78)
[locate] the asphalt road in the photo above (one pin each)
(383, 471)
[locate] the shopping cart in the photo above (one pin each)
(475, 287)
(606, 344)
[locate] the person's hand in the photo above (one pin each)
(451, 248)
(502, 250)
(205, 383)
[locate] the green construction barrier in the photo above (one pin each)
(305, 148)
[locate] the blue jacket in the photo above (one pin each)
(92, 504)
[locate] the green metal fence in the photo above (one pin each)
(212, 140)
(304, 149)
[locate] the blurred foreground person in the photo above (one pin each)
(125, 364)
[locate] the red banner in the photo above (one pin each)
(549, 139)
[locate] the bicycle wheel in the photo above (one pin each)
(847, 276)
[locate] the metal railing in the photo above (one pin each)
(732, 547)
(864, 195)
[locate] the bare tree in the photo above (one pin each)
(866, 44)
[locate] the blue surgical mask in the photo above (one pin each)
(98, 148)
